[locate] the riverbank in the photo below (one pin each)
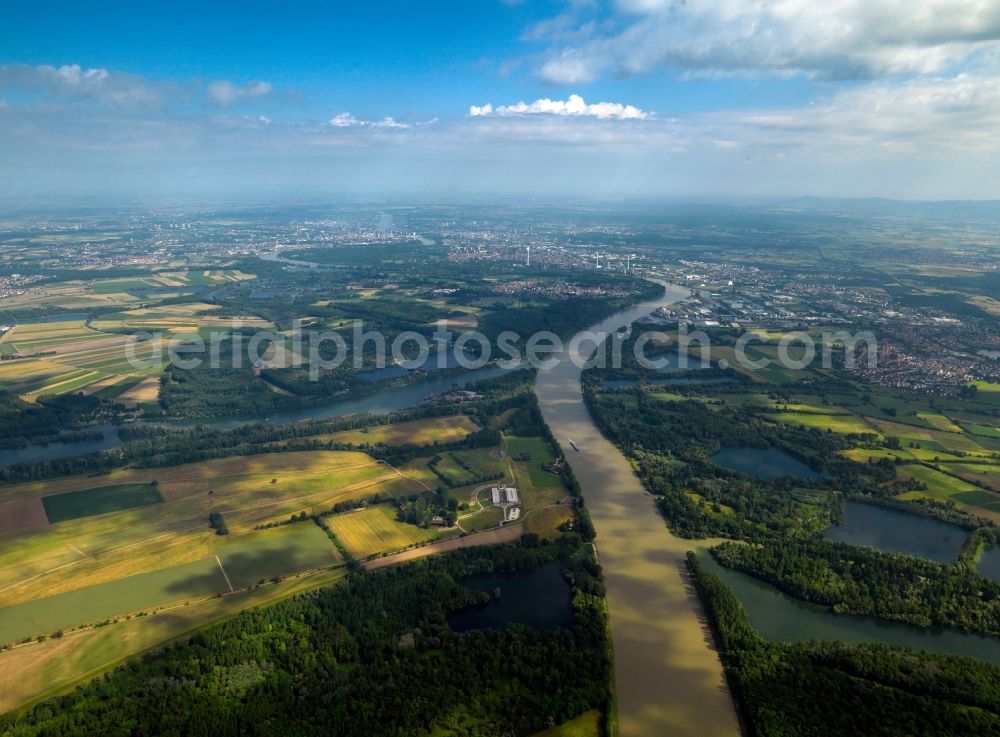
(669, 679)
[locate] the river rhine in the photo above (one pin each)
(668, 677)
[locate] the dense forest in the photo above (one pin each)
(867, 581)
(23, 422)
(372, 656)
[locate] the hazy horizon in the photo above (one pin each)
(632, 98)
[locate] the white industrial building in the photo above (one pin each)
(504, 495)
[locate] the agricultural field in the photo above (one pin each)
(99, 500)
(101, 357)
(464, 467)
(247, 491)
(375, 530)
(943, 487)
(840, 422)
(290, 549)
(939, 422)
(985, 431)
(114, 598)
(934, 440)
(545, 522)
(538, 451)
(54, 666)
(987, 392)
(985, 474)
(74, 357)
(416, 432)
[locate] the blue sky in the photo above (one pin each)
(674, 98)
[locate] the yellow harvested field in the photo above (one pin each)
(417, 432)
(939, 422)
(147, 390)
(373, 530)
(100, 548)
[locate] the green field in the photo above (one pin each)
(986, 474)
(540, 453)
(667, 397)
(99, 500)
(928, 439)
(944, 488)
(842, 423)
(985, 431)
(299, 547)
(987, 392)
(106, 600)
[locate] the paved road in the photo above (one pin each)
(668, 676)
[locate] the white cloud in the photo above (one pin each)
(73, 81)
(224, 92)
(934, 135)
(346, 120)
(832, 39)
(574, 106)
(389, 122)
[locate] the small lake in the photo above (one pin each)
(540, 598)
(677, 361)
(893, 531)
(989, 563)
(781, 618)
(764, 463)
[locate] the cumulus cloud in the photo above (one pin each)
(574, 106)
(834, 39)
(344, 120)
(224, 92)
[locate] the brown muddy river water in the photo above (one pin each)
(669, 680)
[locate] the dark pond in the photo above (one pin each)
(893, 531)
(763, 463)
(989, 563)
(539, 598)
(676, 361)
